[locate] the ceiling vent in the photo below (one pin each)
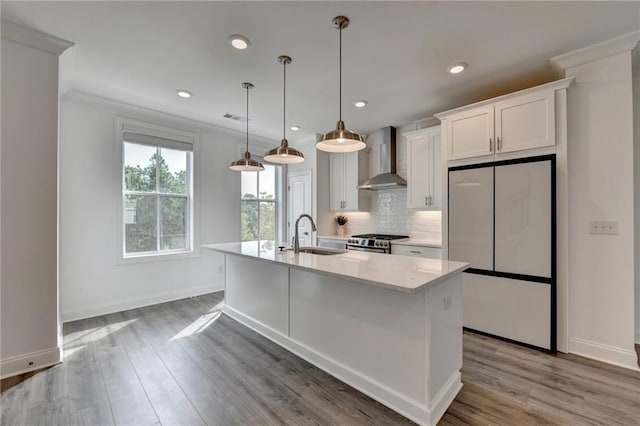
(234, 117)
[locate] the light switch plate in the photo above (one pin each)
(603, 227)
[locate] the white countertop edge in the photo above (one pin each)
(334, 237)
(381, 284)
(420, 242)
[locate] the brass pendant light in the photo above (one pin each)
(340, 139)
(247, 164)
(284, 154)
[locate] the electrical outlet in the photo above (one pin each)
(447, 302)
(603, 227)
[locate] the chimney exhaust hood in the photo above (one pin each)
(387, 179)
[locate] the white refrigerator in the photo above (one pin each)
(502, 221)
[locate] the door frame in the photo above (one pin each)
(288, 217)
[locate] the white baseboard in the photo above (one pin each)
(123, 305)
(412, 409)
(605, 353)
(20, 364)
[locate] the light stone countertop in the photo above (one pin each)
(400, 273)
(422, 242)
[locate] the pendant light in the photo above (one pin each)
(340, 139)
(247, 164)
(284, 154)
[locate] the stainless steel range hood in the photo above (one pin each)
(387, 179)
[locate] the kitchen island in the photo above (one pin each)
(390, 326)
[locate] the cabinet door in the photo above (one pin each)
(470, 133)
(523, 218)
(350, 181)
(435, 173)
(471, 217)
(418, 173)
(526, 122)
(336, 182)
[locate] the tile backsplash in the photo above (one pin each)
(389, 215)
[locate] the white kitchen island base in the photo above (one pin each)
(402, 348)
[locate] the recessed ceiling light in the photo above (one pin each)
(238, 41)
(360, 104)
(295, 128)
(457, 68)
(183, 93)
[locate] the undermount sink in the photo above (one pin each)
(322, 251)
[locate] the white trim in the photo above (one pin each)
(604, 353)
(625, 42)
(125, 304)
(123, 124)
(410, 408)
(19, 364)
(33, 38)
(176, 120)
(554, 85)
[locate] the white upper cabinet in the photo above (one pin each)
(471, 133)
(424, 168)
(526, 122)
(517, 122)
(346, 171)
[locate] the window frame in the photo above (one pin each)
(277, 200)
(192, 250)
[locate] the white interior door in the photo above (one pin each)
(299, 202)
(471, 217)
(523, 218)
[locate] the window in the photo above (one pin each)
(259, 213)
(157, 195)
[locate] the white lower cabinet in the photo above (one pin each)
(416, 251)
(336, 243)
(424, 169)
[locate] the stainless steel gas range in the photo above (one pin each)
(377, 243)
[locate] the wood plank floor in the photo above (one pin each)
(182, 363)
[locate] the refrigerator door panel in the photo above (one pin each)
(514, 309)
(523, 218)
(471, 217)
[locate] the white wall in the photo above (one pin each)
(29, 201)
(93, 277)
(600, 156)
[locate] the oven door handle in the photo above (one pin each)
(369, 249)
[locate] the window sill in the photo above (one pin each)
(159, 257)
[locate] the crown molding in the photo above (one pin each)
(624, 43)
(33, 38)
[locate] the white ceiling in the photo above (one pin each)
(395, 54)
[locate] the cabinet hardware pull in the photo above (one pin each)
(415, 251)
(490, 145)
(429, 200)
(426, 200)
(499, 144)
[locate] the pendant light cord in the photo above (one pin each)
(284, 103)
(247, 118)
(340, 97)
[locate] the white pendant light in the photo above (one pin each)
(340, 139)
(247, 164)
(284, 154)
